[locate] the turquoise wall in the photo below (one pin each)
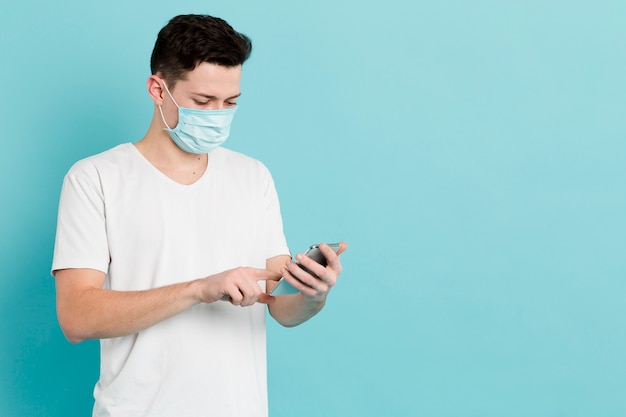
(471, 153)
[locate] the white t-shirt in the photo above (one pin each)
(120, 215)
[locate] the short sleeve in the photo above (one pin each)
(81, 239)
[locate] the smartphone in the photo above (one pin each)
(284, 287)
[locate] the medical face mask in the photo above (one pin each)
(199, 131)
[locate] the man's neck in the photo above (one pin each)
(161, 151)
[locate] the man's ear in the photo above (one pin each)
(155, 89)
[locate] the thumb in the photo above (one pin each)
(266, 299)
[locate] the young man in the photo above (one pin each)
(167, 249)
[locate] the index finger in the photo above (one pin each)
(267, 275)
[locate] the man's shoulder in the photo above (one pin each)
(111, 158)
(237, 160)
(230, 155)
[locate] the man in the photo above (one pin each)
(167, 249)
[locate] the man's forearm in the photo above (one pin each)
(295, 309)
(96, 313)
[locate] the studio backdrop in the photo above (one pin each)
(472, 155)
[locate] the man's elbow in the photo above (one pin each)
(285, 321)
(73, 339)
(71, 328)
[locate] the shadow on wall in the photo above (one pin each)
(41, 373)
(45, 374)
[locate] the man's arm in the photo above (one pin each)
(294, 309)
(87, 311)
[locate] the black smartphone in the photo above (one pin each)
(315, 254)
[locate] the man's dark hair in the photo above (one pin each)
(188, 40)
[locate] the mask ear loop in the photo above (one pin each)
(163, 118)
(161, 109)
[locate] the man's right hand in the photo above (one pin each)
(239, 286)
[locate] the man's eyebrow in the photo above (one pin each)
(210, 97)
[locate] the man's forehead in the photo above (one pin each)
(207, 78)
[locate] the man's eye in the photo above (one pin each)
(231, 103)
(201, 103)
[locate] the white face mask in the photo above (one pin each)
(199, 131)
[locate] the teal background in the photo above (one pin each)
(471, 154)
